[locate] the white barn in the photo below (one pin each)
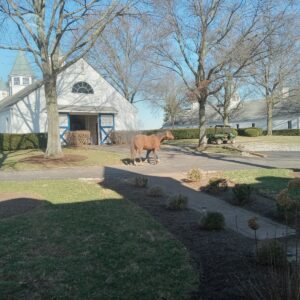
(85, 102)
(286, 115)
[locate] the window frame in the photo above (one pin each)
(82, 87)
(18, 79)
(27, 78)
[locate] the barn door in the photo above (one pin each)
(106, 125)
(64, 126)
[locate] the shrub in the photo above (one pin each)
(155, 191)
(290, 132)
(271, 253)
(141, 181)
(121, 137)
(194, 175)
(177, 202)
(187, 133)
(251, 132)
(12, 142)
(212, 221)
(241, 194)
(288, 202)
(216, 185)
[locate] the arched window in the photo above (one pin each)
(82, 87)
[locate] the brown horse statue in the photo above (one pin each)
(150, 143)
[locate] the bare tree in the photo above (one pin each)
(46, 26)
(227, 101)
(199, 39)
(275, 72)
(169, 94)
(122, 56)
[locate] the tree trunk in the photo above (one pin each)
(269, 117)
(226, 120)
(173, 122)
(53, 143)
(202, 125)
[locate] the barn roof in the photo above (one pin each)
(248, 111)
(13, 99)
(3, 85)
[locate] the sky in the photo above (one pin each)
(147, 118)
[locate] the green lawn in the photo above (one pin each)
(275, 139)
(86, 242)
(268, 182)
(284, 140)
(12, 160)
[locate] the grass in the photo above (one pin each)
(87, 242)
(182, 142)
(11, 161)
(268, 182)
(283, 140)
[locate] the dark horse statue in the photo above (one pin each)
(150, 143)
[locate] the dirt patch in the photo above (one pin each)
(65, 160)
(13, 204)
(224, 260)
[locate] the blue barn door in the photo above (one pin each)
(106, 126)
(64, 126)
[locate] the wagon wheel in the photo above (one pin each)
(219, 141)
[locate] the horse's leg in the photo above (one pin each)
(147, 155)
(155, 156)
(141, 156)
(134, 157)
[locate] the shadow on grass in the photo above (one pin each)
(13, 156)
(108, 249)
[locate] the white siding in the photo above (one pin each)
(278, 123)
(104, 94)
(29, 114)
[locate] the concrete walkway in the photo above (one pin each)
(236, 218)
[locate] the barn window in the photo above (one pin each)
(16, 80)
(82, 87)
(25, 80)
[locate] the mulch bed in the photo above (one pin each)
(13, 204)
(224, 259)
(66, 159)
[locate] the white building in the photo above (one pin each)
(85, 102)
(286, 115)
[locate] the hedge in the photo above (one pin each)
(291, 132)
(122, 137)
(179, 134)
(251, 131)
(11, 142)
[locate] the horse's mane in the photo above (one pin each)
(161, 135)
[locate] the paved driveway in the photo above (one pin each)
(172, 160)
